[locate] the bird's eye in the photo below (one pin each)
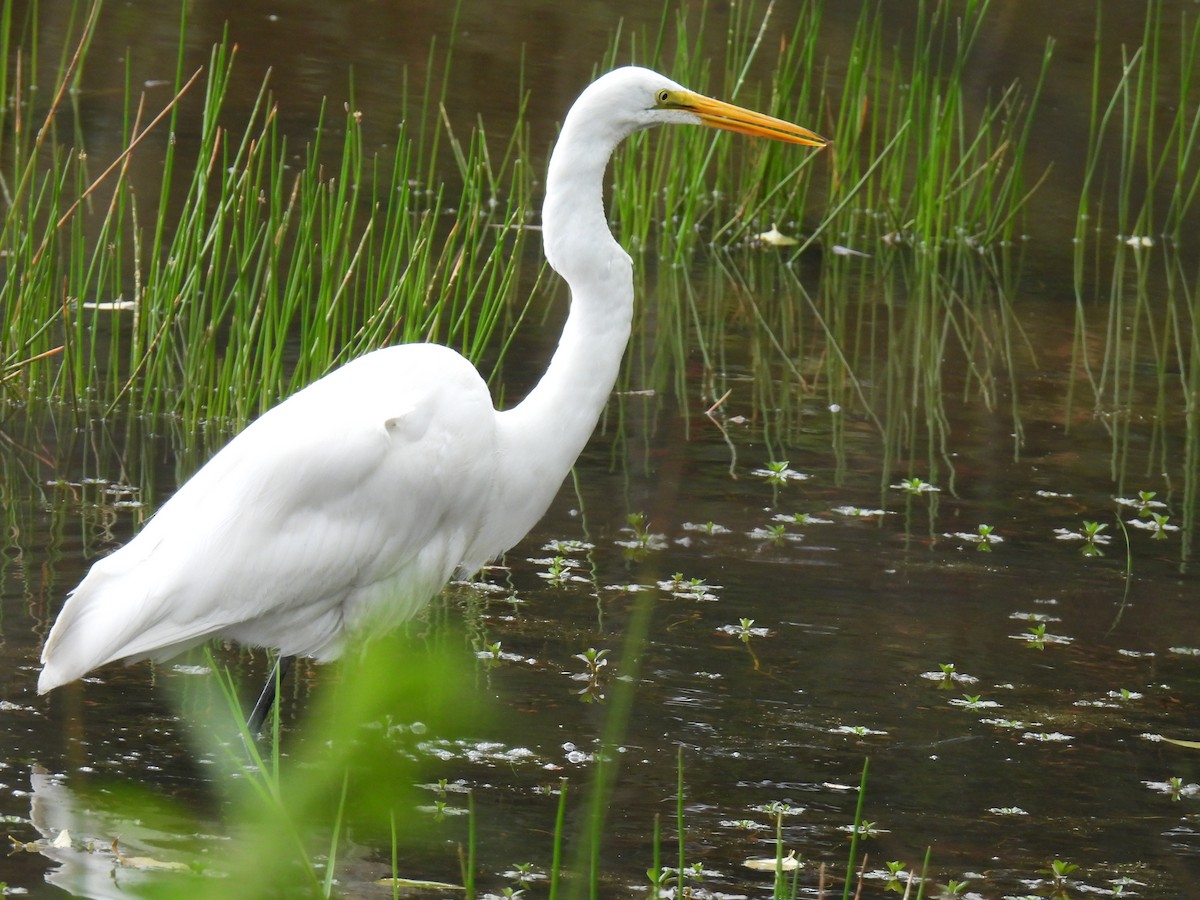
(663, 96)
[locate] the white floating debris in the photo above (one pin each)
(1047, 737)
(769, 863)
(775, 238)
(109, 305)
(191, 670)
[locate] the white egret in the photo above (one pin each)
(345, 508)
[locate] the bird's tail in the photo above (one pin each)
(113, 614)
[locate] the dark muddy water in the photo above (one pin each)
(830, 605)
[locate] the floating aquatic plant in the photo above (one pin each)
(1091, 535)
(779, 473)
(1038, 638)
(708, 528)
(1007, 811)
(1157, 524)
(983, 537)
(915, 485)
(1175, 788)
(744, 630)
(948, 676)
(800, 519)
(689, 588)
(641, 538)
(1144, 502)
(974, 701)
(560, 571)
(774, 534)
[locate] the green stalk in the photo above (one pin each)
(469, 869)
(679, 829)
(560, 818)
(338, 819)
(854, 834)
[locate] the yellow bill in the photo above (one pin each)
(718, 114)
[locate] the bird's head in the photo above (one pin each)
(633, 98)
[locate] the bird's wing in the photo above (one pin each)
(363, 490)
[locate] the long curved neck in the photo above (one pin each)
(541, 437)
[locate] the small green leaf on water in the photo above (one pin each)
(418, 883)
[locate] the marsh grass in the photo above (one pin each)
(912, 161)
(915, 212)
(1134, 271)
(243, 280)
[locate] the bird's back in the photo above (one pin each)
(342, 509)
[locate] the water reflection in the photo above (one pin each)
(103, 849)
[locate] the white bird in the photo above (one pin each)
(344, 509)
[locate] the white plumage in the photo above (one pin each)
(345, 508)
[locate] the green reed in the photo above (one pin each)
(920, 167)
(916, 205)
(940, 210)
(242, 281)
(1136, 308)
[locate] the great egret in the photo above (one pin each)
(345, 508)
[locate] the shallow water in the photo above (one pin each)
(1059, 758)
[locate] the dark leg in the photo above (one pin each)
(266, 699)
